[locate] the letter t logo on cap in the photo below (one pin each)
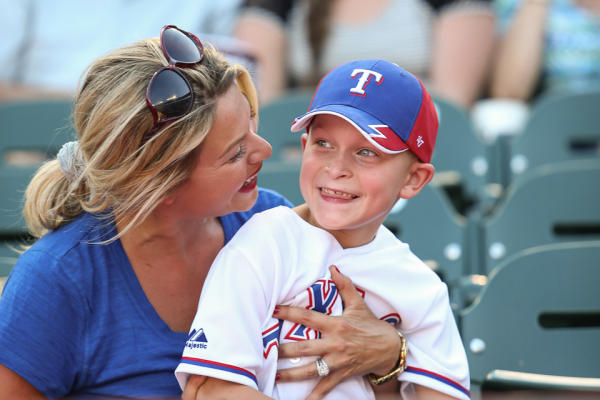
(363, 81)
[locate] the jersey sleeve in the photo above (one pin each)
(235, 309)
(436, 356)
(40, 325)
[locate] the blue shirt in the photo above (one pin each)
(75, 320)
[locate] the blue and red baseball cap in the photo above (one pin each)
(388, 105)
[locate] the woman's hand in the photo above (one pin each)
(354, 343)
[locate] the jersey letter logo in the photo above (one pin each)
(322, 296)
(364, 79)
(270, 338)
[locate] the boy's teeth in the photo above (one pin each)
(335, 192)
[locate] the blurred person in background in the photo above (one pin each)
(546, 46)
(447, 42)
(48, 43)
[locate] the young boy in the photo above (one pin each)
(371, 132)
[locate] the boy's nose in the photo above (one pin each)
(338, 166)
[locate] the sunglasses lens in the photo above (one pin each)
(180, 47)
(170, 94)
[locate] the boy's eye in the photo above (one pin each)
(322, 143)
(366, 153)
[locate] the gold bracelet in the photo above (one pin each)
(398, 368)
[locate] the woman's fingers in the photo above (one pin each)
(350, 296)
(326, 384)
(191, 387)
(313, 319)
(305, 348)
(353, 302)
(356, 342)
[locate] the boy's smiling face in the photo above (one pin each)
(348, 184)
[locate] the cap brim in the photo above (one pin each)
(379, 135)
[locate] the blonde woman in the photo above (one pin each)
(129, 220)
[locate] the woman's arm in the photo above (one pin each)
(200, 387)
(355, 343)
(420, 393)
(463, 43)
(267, 39)
(15, 387)
(520, 52)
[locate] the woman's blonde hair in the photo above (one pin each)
(125, 170)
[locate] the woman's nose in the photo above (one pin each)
(261, 149)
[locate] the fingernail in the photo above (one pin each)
(276, 311)
(277, 377)
(336, 268)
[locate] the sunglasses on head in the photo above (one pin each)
(169, 95)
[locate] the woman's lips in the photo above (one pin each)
(251, 182)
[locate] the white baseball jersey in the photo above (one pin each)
(277, 258)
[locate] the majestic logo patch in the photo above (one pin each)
(364, 79)
(420, 141)
(197, 339)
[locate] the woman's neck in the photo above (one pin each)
(171, 257)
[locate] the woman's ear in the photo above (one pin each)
(304, 140)
(168, 201)
(419, 175)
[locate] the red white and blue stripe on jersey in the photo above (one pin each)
(220, 366)
(439, 378)
(393, 318)
(270, 338)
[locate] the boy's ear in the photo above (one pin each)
(303, 140)
(419, 175)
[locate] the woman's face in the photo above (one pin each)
(224, 178)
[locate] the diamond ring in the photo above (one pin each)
(322, 367)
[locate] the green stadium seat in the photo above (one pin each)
(553, 203)
(536, 324)
(275, 119)
(283, 177)
(560, 127)
(31, 132)
(435, 232)
(460, 157)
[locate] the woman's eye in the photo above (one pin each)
(366, 153)
(239, 153)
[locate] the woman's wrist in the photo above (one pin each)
(398, 368)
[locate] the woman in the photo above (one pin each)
(129, 222)
(448, 43)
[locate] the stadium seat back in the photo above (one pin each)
(560, 127)
(31, 132)
(284, 178)
(538, 314)
(275, 120)
(433, 230)
(553, 203)
(459, 157)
